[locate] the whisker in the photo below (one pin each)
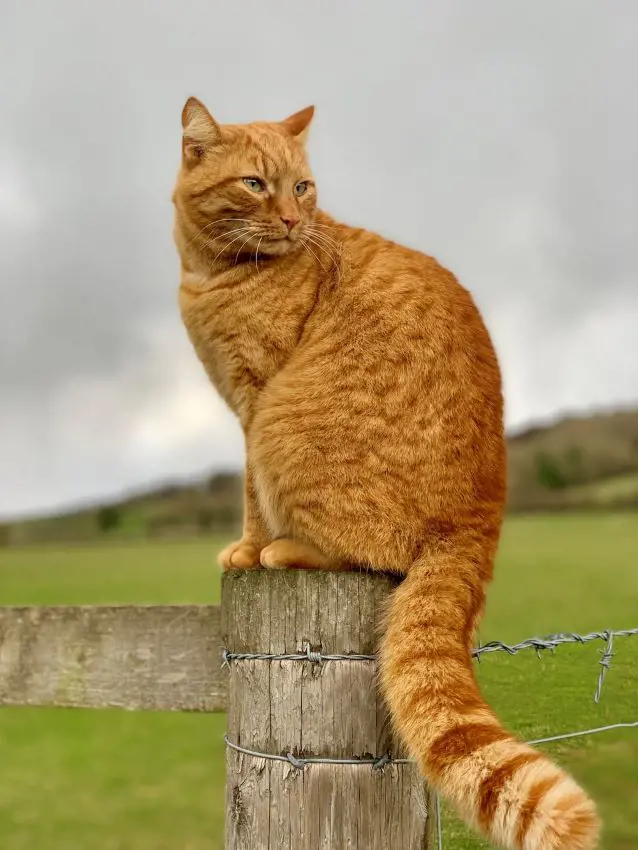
(196, 236)
(325, 227)
(321, 226)
(244, 230)
(311, 228)
(304, 242)
(322, 247)
(250, 236)
(212, 224)
(335, 259)
(333, 250)
(217, 220)
(257, 254)
(236, 230)
(325, 235)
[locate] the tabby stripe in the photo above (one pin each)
(530, 806)
(464, 702)
(462, 741)
(426, 656)
(492, 786)
(227, 181)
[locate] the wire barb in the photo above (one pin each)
(605, 664)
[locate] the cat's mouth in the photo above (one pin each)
(280, 245)
(291, 236)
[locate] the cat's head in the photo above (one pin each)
(243, 188)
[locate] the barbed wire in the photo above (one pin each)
(379, 762)
(306, 655)
(551, 643)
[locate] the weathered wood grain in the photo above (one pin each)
(329, 710)
(133, 657)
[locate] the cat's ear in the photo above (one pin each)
(298, 125)
(201, 131)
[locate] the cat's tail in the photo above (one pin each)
(512, 793)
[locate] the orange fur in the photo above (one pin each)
(370, 397)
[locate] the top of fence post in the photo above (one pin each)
(310, 760)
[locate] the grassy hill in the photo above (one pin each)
(577, 462)
(587, 462)
(210, 505)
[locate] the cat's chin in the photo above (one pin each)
(281, 247)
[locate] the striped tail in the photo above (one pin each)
(511, 793)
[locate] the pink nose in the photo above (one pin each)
(290, 221)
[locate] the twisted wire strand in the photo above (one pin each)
(299, 763)
(379, 762)
(550, 642)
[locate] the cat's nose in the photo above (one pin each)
(290, 221)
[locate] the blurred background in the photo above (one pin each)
(502, 139)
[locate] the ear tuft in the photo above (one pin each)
(298, 125)
(201, 131)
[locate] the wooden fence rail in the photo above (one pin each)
(137, 657)
(170, 658)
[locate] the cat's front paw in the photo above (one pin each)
(241, 555)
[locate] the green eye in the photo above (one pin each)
(254, 184)
(301, 188)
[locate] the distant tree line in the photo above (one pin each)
(557, 472)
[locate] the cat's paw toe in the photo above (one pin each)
(239, 556)
(270, 557)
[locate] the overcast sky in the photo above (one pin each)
(500, 137)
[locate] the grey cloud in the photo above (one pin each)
(499, 137)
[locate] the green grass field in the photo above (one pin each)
(109, 780)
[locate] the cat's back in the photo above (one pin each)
(394, 295)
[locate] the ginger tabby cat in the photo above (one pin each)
(370, 399)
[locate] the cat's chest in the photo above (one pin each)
(241, 343)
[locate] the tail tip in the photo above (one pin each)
(572, 825)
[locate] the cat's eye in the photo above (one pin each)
(301, 188)
(254, 184)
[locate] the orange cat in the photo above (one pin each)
(370, 398)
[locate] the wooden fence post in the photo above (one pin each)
(328, 709)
